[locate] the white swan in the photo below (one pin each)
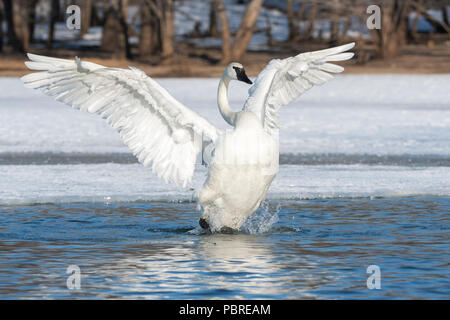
(162, 132)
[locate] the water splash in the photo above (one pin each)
(263, 220)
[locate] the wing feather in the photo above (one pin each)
(158, 129)
(282, 81)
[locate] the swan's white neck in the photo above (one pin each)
(222, 100)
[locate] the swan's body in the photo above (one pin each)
(164, 133)
(239, 178)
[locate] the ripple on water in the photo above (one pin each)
(288, 249)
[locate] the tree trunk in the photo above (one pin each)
(96, 20)
(145, 37)
(300, 18)
(112, 37)
(21, 16)
(86, 15)
(225, 31)
(415, 23)
(167, 30)
(334, 23)
(334, 30)
(1, 29)
(394, 27)
(54, 13)
(213, 32)
(347, 25)
(245, 31)
(268, 32)
(445, 15)
(23, 7)
(115, 30)
(292, 25)
(31, 19)
(122, 12)
(312, 22)
(13, 39)
(156, 34)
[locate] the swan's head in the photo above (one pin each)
(236, 71)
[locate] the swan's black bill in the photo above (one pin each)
(241, 76)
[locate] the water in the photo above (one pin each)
(317, 249)
(364, 180)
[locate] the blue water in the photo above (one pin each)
(313, 249)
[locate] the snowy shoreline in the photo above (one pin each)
(353, 114)
(108, 183)
(356, 136)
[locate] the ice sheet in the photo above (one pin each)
(132, 182)
(364, 114)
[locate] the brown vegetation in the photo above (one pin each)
(396, 47)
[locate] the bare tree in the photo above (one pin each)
(242, 38)
(19, 13)
(122, 12)
(115, 36)
(162, 15)
(86, 16)
(439, 26)
(394, 28)
(167, 29)
(212, 30)
(313, 10)
(384, 43)
(245, 32)
(54, 14)
(1, 27)
(20, 16)
(415, 23)
(13, 39)
(347, 25)
(146, 36)
(335, 13)
(293, 23)
(445, 14)
(31, 18)
(225, 31)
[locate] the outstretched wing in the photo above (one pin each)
(282, 81)
(157, 128)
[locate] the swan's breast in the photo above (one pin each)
(247, 120)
